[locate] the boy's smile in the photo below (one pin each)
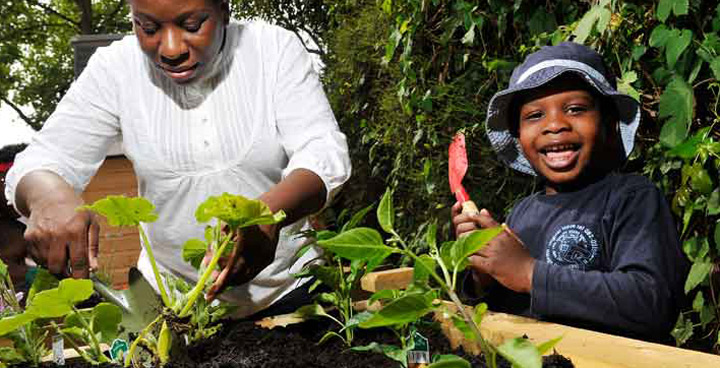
(559, 131)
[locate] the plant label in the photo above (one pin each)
(58, 350)
(420, 354)
(118, 350)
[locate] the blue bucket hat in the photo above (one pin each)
(538, 69)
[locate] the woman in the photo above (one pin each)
(203, 107)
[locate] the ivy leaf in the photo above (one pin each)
(625, 85)
(679, 7)
(698, 302)
(194, 251)
(713, 205)
(400, 311)
(689, 148)
(678, 41)
(676, 104)
(521, 352)
(362, 244)
(683, 330)
(237, 211)
(659, 36)
(386, 212)
(124, 211)
(698, 273)
(701, 180)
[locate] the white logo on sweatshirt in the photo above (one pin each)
(573, 246)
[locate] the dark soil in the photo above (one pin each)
(242, 344)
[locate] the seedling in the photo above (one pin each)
(366, 245)
(231, 214)
(80, 328)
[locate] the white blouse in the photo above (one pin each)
(258, 115)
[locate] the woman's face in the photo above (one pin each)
(180, 37)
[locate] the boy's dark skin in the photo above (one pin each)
(566, 139)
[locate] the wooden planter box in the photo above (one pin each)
(586, 349)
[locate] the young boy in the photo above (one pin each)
(594, 249)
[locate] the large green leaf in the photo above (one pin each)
(700, 180)
(237, 211)
(106, 319)
(361, 243)
(12, 323)
(521, 353)
(124, 211)
(699, 272)
(386, 212)
(659, 36)
(59, 302)
(43, 280)
(464, 247)
(678, 41)
(676, 104)
(679, 7)
(715, 67)
(405, 309)
(194, 251)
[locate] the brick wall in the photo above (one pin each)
(119, 247)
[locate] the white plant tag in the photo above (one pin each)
(420, 354)
(58, 349)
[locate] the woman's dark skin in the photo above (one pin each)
(186, 36)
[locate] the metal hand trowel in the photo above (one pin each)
(139, 302)
(457, 167)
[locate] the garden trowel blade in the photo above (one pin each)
(457, 167)
(139, 302)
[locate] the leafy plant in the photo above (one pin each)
(81, 327)
(403, 308)
(185, 312)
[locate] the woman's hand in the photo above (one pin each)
(60, 238)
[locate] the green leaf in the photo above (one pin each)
(405, 309)
(237, 211)
(471, 243)
(699, 272)
(164, 343)
(12, 323)
(521, 352)
(676, 104)
(357, 218)
(58, 302)
(715, 67)
(10, 356)
(700, 180)
(3, 270)
(43, 280)
(329, 276)
(479, 312)
(713, 205)
(707, 315)
(683, 330)
(659, 36)
(679, 7)
(689, 148)
(357, 244)
(431, 236)
(547, 345)
(678, 41)
(106, 319)
(698, 302)
(716, 235)
(194, 251)
(463, 327)
(391, 351)
(124, 211)
(423, 268)
(386, 212)
(469, 37)
(586, 24)
(638, 51)
(450, 361)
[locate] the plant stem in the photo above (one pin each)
(93, 339)
(75, 345)
(142, 334)
(200, 285)
(151, 257)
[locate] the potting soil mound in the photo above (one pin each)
(242, 344)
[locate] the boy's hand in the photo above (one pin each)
(466, 223)
(507, 260)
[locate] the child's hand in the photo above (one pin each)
(507, 260)
(466, 223)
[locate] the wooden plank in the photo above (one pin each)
(397, 278)
(584, 347)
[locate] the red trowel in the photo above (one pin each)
(457, 167)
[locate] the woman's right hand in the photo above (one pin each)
(60, 238)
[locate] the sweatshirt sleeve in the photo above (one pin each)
(640, 292)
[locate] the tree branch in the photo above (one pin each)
(28, 120)
(54, 12)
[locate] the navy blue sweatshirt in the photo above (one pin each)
(608, 258)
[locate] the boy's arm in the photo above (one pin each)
(641, 292)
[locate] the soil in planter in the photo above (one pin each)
(242, 344)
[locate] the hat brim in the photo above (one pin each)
(508, 147)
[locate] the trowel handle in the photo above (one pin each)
(469, 208)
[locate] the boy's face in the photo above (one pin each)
(560, 131)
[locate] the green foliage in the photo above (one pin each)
(123, 211)
(237, 211)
